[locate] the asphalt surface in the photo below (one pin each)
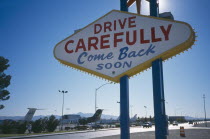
(173, 134)
(199, 132)
(203, 125)
(191, 132)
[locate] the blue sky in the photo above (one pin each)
(29, 30)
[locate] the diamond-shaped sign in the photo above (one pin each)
(121, 43)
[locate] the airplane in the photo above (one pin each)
(96, 117)
(28, 117)
(133, 119)
(81, 123)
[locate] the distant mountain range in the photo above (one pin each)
(193, 118)
(103, 116)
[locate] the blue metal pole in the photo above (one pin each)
(154, 8)
(161, 122)
(124, 108)
(123, 5)
(124, 95)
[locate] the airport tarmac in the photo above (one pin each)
(173, 134)
(203, 125)
(191, 132)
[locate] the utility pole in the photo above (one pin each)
(119, 106)
(96, 97)
(204, 104)
(96, 94)
(145, 111)
(62, 108)
(131, 106)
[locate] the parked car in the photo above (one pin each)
(147, 124)
(81, 127)
(97, 127)
(191, 122)
(175, 123)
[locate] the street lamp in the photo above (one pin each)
(204, 108)
(119, 107)
(62, 107)
(175, 111)
(96, 95)
(166, 102)
(145, 110)
(131, 106)
(68, 109)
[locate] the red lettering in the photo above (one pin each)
(91, 43)
(132, 22)
(142, 41)
(128, 36)
(80, 45)
(115, 26)
(116, 40)
(122, 25)
(97, 28)
(166, 32)
(107, 25)
(103, 41)
(66, 47)
(154, 39)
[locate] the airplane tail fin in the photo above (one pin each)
(28, 117)
(118, 118)
(134, 118)
(97, 115)
(94, 118)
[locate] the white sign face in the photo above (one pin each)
(121, 43)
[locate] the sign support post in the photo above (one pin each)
(161, 123)
(154, 8)
(124, 95)
(124, 108)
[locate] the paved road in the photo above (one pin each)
(202, 125)
(136, 133)
(173, 134)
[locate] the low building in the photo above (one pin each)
(71, 119)
(177, 118)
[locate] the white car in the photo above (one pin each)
(175, 123)
(147, 125)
